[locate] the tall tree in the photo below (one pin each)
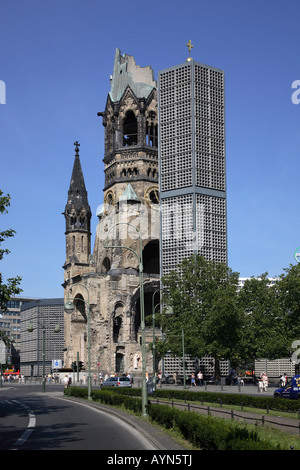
(204, 298)
(261, 335)
(11, 286)
(289, 297)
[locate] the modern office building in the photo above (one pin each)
(42, 316)
(10, 326)
(192, 163)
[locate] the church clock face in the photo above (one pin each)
(152, 197)
(109, 201)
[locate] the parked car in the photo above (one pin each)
(290, 390)
(117, 382)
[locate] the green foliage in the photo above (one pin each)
(254, 401)
(263, 323)
(204, 298)
(227, 322)
(11, 287)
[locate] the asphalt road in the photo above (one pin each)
(33, 420)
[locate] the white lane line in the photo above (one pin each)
(30, 427)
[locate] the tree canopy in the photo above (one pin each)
(9, 287)
(226, 321)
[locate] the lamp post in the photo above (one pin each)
(43, 326)
(142, 307)
(69, 308)
(169, 312)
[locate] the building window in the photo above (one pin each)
(130, 134)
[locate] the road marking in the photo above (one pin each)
(30, 427)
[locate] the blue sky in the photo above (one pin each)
(55, 60)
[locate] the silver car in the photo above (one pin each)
(117, 382)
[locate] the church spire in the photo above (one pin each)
(77, 194)
(77, 215)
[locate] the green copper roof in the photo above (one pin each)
(129, 194)
(126, 72)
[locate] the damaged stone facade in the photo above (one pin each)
(107, 280)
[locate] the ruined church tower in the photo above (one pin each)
(106, 282)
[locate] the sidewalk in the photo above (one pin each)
(247, 389)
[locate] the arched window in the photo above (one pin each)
(105, 266)
(151, 134)
(118, 323)
(151, 257)
(130, 134)
(80, 307)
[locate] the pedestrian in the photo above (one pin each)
(159, 377)
(193, 381)
(200, 378)
(66, 381)
(265, 381)
(283, 380)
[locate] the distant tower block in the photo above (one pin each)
(192, 163)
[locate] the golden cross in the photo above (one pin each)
(189, 46)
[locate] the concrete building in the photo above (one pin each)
(192, 163)
(10, 325)
(42, 315)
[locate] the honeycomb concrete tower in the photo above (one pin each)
(192, 163)
(105, 284)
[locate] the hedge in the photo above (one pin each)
(280, 404)
(208, 433)
(204, 432)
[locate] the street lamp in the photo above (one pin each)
(43, 326)
(69, 308)
(142, 306)
(169, 311)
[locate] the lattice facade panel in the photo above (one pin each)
(211, 227)
(192, 164)
(177, 230)
(206, 365)
(176, 129)
(209, 128)
(275, 368)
